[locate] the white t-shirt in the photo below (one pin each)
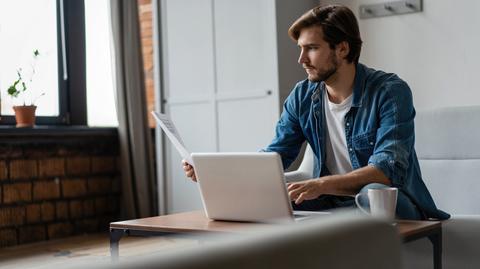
(338, 161)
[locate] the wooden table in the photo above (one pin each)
(196, 222)
(411, 230)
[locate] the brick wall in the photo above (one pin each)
(57, 185)
(146, 33)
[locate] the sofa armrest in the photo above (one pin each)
(296, 176)
(305, 170)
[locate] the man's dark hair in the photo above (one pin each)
(338, 24)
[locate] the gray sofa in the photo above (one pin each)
(448, 149)
(343, 240)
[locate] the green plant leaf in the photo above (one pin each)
(12, 91)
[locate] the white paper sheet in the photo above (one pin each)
(171, 131)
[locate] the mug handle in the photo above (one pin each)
(357, 197)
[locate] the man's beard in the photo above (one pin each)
(332, 69)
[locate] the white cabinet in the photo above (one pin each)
(227, 66)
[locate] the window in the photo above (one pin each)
(26, 26)
(74, 65)
(100, 95)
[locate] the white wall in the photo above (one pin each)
(436, 51)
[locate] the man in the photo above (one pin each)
(358, 121)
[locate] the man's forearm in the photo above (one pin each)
(351, 183)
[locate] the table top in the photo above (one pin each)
(196, 221)
(409, 229)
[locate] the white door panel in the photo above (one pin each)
(188, 49)
(246, 124)
(245, 37)
(220, 77)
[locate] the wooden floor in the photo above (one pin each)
(86, 248)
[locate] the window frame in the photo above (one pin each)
(72, 102)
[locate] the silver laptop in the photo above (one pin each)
(238, 186)
(244, 187)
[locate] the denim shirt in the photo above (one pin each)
(379, 130)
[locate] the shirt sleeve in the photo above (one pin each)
(288, 132)
(395, 135)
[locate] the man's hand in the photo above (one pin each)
(305, 190)
(346, 185)
(189, 171)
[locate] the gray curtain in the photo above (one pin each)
(137, 163)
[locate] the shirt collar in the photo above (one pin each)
(359, 85)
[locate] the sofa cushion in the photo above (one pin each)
(450, 133)
(454, 184)
(448, 149)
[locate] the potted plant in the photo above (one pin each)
(24, 114)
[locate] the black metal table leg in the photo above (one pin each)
(115, 236)
(436, 240)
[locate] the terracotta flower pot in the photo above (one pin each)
(25, 115)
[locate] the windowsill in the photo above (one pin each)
(56, 131)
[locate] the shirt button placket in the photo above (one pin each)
(348, 133)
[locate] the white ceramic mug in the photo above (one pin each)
(383, 202)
